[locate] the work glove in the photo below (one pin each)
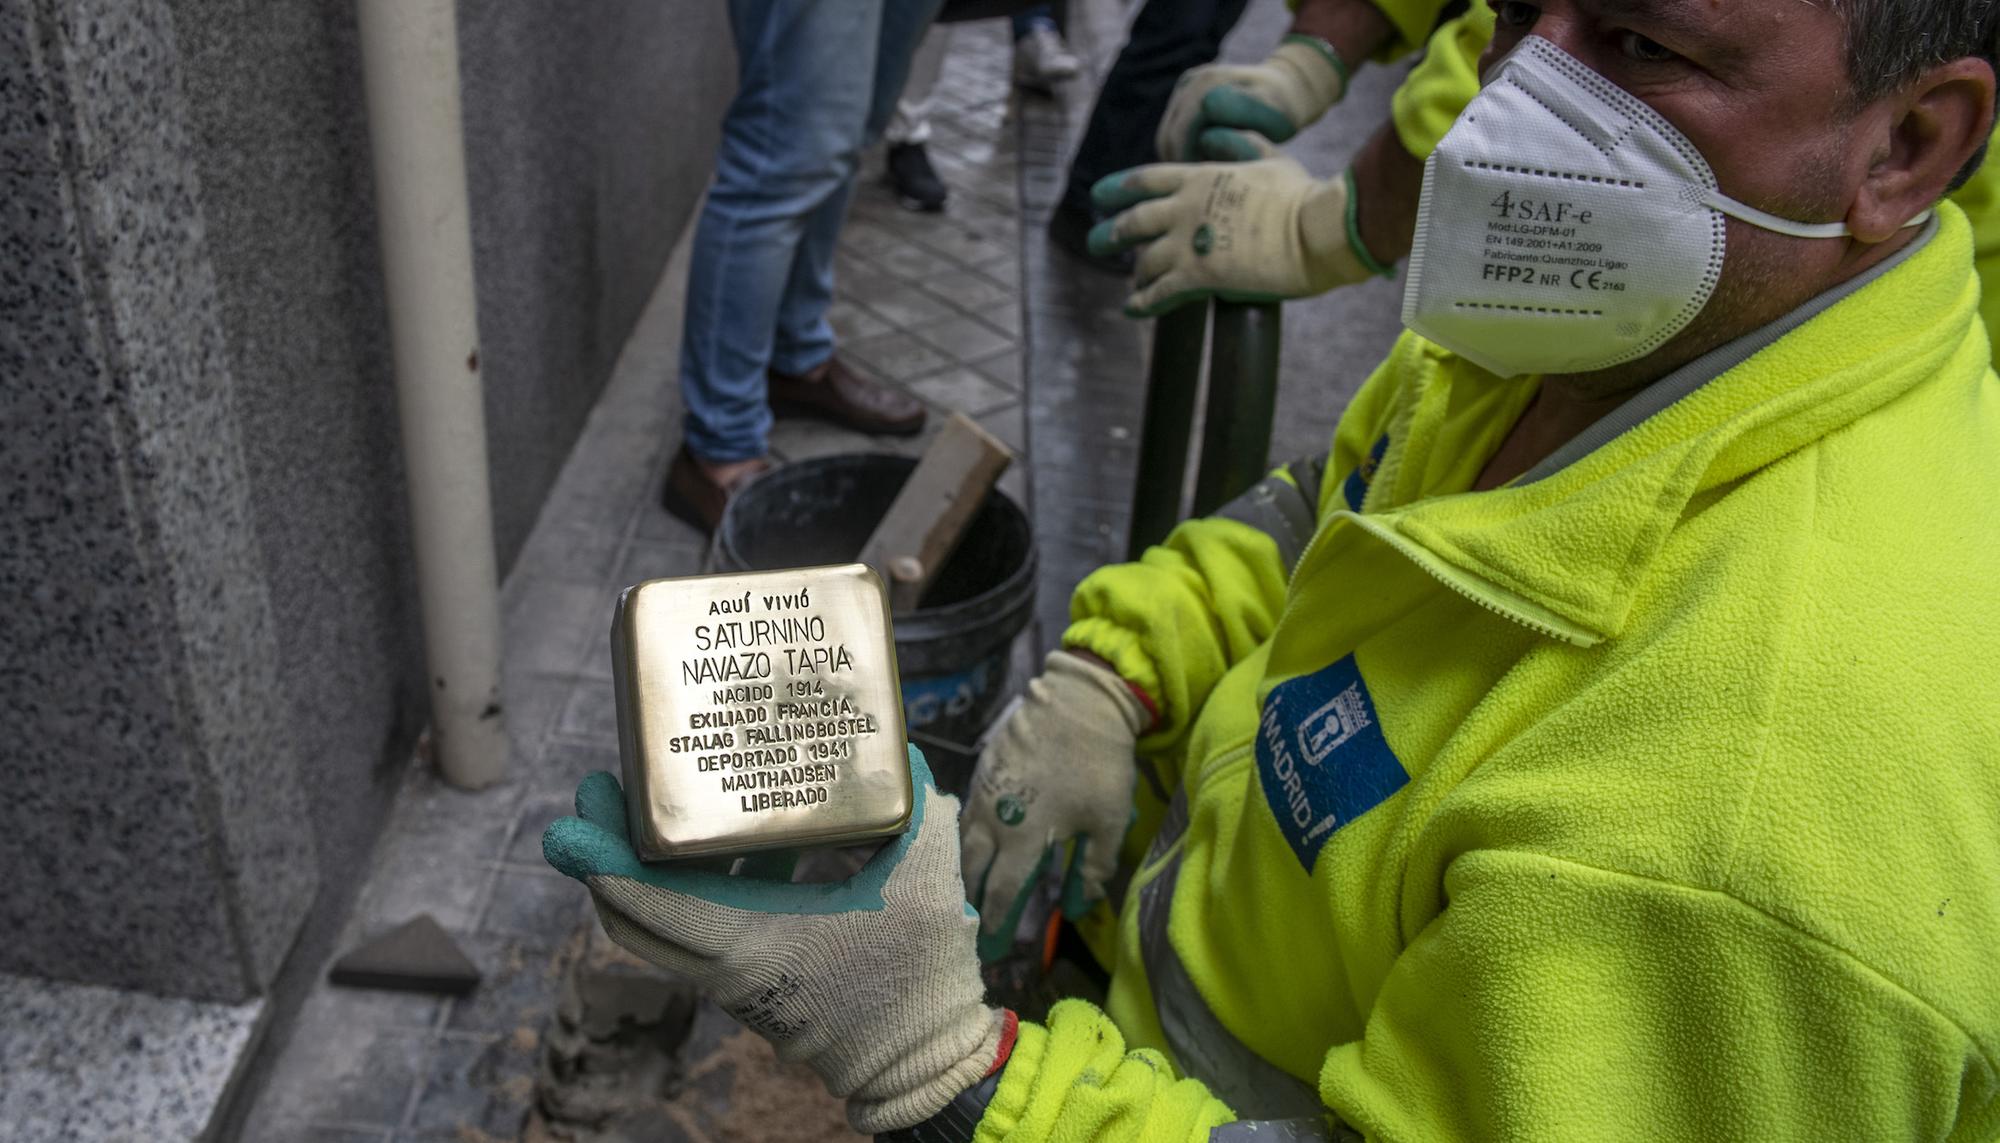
(1276, 98)
(1260, 231)
(1060, 770)
(872, 981)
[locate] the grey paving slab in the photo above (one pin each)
(477, 1086)
(531, 703)
(971, 240)
(440, 875)
(1002, 367)
(646, 559)
(652, 522)
(1006, 319)
(852, 321)
(1010, 425)
(902, 303)
(564, 764)
(355, 1075)
(522, 981)
(900, 357)
(591, 714)
(535, 815)
(975, 293)
(914, 262)
(543, 622)
(966, 390)
(531, 903)
(867, 239)
(378, 1007)
(1006, 271)
(322, 1133)
(964, 338)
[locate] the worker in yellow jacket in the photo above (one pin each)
(1375, 200)
(1601, 741)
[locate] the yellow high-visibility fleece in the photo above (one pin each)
(1657, 798)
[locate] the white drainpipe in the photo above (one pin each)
(409, 52)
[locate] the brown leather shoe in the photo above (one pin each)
(845, 397)
(695, 496)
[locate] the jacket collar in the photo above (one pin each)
(1568, 553)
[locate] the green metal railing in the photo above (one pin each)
(1236, 420)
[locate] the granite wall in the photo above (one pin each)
(210, 660)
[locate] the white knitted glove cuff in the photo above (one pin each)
(1316, 84)
(872, 1114)
(1075, 669)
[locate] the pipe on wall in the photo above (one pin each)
(409, 54)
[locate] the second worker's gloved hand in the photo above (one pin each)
(1276, 98)
(1060, 769)
(872, 982)
(1246, 232)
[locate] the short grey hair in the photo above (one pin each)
(1891, 42)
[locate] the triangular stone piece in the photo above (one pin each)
(416, 956)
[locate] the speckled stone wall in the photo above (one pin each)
(150, 832)
(210, 610)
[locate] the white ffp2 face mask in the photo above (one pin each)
(1565, 226)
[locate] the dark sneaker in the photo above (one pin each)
(912, 177)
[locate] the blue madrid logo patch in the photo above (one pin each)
(1321, 756)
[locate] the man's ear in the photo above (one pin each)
(1936, 124)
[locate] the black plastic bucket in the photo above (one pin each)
(952, 652)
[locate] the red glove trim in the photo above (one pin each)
(1010, 1030)
(1145, 699)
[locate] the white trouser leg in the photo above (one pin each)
(912, 121)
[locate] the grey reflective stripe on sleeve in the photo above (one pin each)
(1281, 509)
(957, 1122)
(1201, 1045)
(1273, 1131)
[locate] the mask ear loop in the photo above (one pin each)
(1716, 200)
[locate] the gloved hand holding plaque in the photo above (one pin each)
(759, 710)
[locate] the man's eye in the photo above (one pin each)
(1638, 47)
(1515, 14)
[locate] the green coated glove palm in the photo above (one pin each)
(1246, 232)
(872, 982)
(1276, 98)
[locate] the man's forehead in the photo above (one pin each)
(1734, 34)
(1742, 16)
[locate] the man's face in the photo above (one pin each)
(1761, 89)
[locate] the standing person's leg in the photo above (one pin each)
(910, 173)
(1167, 38)
(1041, 58)
(806, 377)
(790, 141)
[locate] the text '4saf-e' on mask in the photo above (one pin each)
(1565, 226)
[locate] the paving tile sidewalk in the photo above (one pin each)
(927, 302)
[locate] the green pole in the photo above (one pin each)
(1242, 401)
(1171, 384)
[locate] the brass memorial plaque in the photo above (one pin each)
(759, 710)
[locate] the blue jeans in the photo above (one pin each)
(816, 82)
(1039, 16)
